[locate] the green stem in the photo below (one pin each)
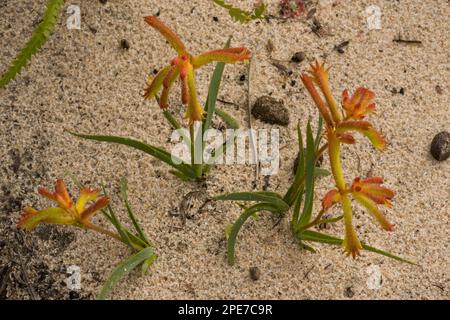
(197, 167)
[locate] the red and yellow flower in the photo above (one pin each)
(183, 66)
(67, 212)
(340, 125)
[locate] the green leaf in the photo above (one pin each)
(137, 227)
(309, 178)
(233, 232)
(228, 119)
(319, 172)
(309, 235)
(268, 197)
(38, 38)
(123, 269)
(298, 184)
(213, 91)
(241, 15)
(151, 150)
(319, 133)
(148, 263)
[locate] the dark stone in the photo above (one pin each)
(349, 293)
(215, 19)
(440, 146)
(270, 110)
(103, 1)
(298, 57)
(242, 78)
(125, 44)
(255, 273)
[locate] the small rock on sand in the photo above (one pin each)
(270, 110)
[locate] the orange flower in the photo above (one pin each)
(360, 104)
(369, 193)
(183, 66)
(67, 212)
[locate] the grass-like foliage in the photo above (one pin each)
(80, 214)
(37, 40)
(300, 196)
(243, 16)
(183, 67)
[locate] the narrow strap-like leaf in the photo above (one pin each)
(123, 269)
(309, 235)
(137, 227)
(213, 91)
(309, 178)
(233, 232)
(229, 120)
(267, 197)
(149, 149)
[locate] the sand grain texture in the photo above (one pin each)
(83, 80)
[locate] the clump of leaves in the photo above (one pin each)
(80, 213)
(183, 67)
(300, 196)
(37, 40)
(243, 16)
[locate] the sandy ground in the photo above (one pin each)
(82, 80)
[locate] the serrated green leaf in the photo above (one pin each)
(38, 38)
(241, 15)
(123, 269)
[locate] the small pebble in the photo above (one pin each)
(349, 293)
(125, 44)
(402, 91)
(440, 146)
(215, 19)
(270, 110)
(298, 57)
(438, 89)
(255, 273)
(103, 1)
(242, 78)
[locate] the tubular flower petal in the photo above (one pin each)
(360, 104)
(371, 188)
(371, 206)
(167, 33)
(87, 213)
(194, 111)
(331, 197)
(167, 85)
(307, 81)
(364, 128)
(66, 212)
(156, 83)
(320, 77)
(179, 68)
(30, 217)
(351, 243)
(229, 55)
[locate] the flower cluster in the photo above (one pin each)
(340, 125)
(183, 66)
(67, 212)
